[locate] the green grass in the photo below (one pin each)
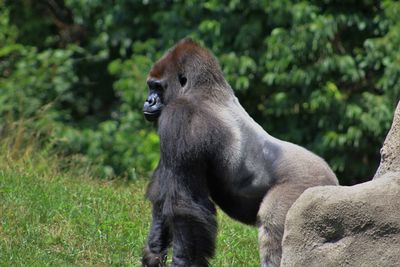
(50, 217)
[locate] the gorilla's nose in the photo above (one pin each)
(151, 101)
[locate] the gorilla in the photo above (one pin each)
(213, 153)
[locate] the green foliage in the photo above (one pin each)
(322, 74)
(120, 145)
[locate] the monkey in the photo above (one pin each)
(212, 153)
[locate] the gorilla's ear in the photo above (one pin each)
(182, 79)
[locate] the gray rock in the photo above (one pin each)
(349, 225)
(345, 226)
(390, 152)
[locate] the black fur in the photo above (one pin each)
(213, 152)
(180, 186)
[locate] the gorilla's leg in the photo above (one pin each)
(194, 231)
(271, 221)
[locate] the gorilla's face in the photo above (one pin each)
(154, 103)
(165, 82)
(171, 76)
(160, 92)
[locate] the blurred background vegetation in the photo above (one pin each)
(323, 74)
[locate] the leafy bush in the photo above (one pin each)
(321, 74)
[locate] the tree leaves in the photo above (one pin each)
(323, 74)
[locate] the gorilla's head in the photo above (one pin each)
(184, 67)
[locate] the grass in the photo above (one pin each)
(50, 217)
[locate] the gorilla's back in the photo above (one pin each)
(251, 162)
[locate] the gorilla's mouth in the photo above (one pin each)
(152, 116)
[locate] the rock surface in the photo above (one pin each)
(390, 152)
(349, 225)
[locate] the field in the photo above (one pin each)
(50, 217)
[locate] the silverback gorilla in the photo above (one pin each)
(213, 152)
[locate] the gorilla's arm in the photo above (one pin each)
(159, 238)
(194, 229)
(155, 252)
(186, 214)
(183, 187)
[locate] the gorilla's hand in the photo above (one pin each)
(151, 259)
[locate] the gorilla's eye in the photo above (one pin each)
(182, 80)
